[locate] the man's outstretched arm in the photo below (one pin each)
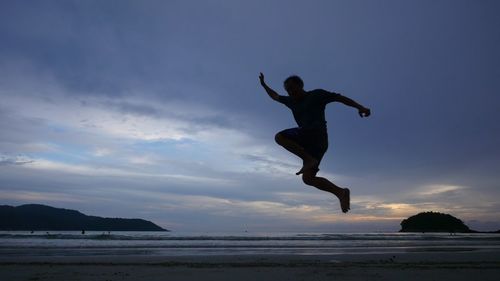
(269, 91)
(363, 111)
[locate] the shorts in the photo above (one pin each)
(314, 141)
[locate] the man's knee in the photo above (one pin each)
(278, 138)
(308, 178)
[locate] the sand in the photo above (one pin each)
(404, 266)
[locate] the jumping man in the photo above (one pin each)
(309, 140)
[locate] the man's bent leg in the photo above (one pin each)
(309, 162)
(343, 194)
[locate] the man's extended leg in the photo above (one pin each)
(309, 162)
(343, 194)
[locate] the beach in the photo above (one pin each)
(408, 266)
(248, 256)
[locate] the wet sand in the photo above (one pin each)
(405, 266)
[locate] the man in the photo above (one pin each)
(309, 141)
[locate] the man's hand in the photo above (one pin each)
(269, 91)
(364, 112)
(261, 78)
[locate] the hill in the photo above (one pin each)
(42, 217)
(436, 222)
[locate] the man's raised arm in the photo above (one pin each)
(269, 91)
(363, 111)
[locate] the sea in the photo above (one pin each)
(74, 243)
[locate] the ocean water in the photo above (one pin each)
(73, 243)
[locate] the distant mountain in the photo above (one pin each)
(42, 217)
(436, 222)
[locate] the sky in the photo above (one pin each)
(153, 109)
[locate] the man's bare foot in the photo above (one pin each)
(345, 200)
(308, 165)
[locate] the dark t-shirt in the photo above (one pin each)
(309, 111)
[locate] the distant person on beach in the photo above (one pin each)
(309, 140)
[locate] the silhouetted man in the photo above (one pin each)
(309, 140)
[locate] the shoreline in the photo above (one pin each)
(471, 256)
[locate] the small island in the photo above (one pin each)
(436, 222)
(35, 217)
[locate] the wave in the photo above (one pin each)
(297, 237)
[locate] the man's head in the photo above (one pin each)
(294, 86)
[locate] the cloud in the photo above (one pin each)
(436, 189)
(17, 160)
(113, 172)
(36, 197)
